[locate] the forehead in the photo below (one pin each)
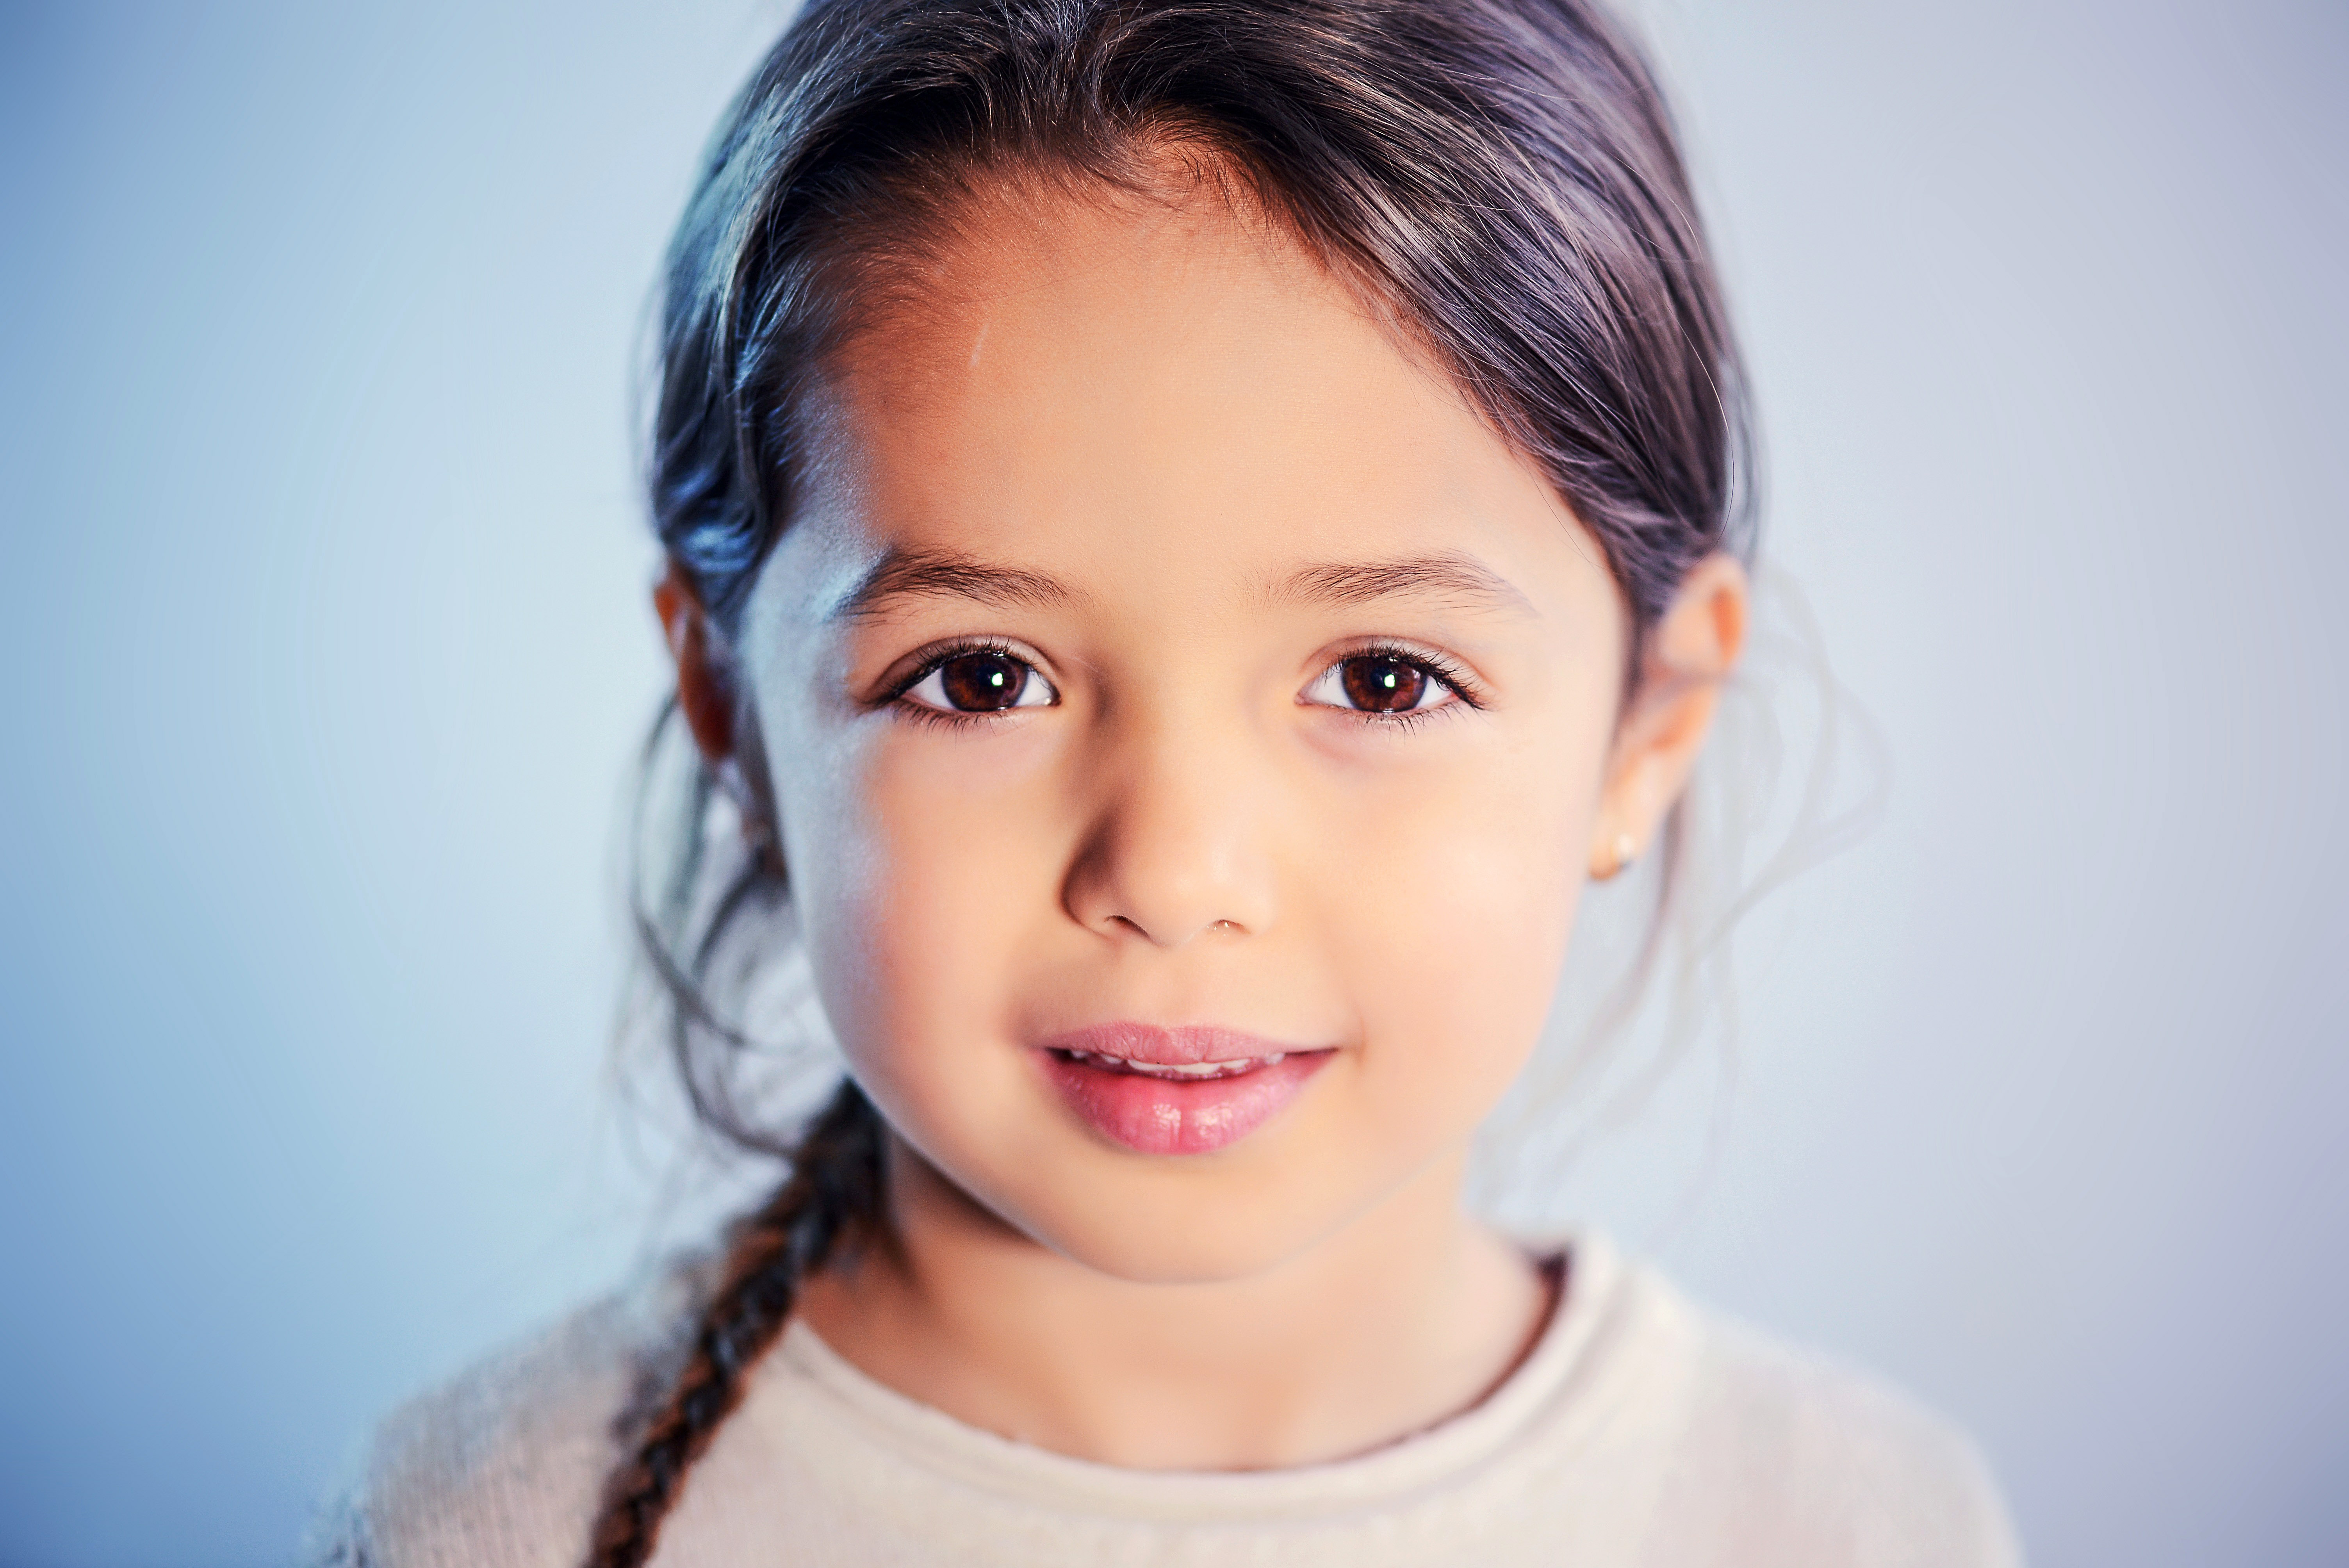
(1172, 385)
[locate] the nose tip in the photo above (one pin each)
(1171, 860)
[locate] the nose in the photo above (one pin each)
(1173, 849)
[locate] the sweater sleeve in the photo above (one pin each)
(502, 1467)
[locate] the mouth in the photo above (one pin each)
(1175, 1091)
(1185, 1072)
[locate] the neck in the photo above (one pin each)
(1410, 1314)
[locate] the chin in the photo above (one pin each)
(1185, 1221)
(1203, 1254)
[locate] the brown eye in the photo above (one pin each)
(1387, 682)
(1377, 682)
(983, 680)
(982, 683)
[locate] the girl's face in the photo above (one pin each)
(1166, 674)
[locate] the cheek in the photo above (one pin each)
(1451, 933)
(921, 871)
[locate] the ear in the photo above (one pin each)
(704, 694)
(1688, 653)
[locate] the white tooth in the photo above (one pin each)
(1229, 1068)
(1275, 1057)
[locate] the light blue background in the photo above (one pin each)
(326, 606)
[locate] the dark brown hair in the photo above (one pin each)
(1499, 175)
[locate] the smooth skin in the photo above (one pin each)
(1147, 450)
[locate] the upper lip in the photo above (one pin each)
(1186, 1044)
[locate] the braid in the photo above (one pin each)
(834, 1185)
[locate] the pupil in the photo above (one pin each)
(983, 683)
(1384, 686)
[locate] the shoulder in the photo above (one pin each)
(1785, 1455)
(502, 1466)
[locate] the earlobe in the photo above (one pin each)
(1621, 850)
(1690, 650)
(704, 695)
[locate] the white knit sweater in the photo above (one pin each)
(1639, 1433)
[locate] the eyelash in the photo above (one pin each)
(1446, 673)
(943, 653)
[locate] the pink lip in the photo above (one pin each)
(1154, 1115)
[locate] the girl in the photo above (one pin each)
(1193, 527)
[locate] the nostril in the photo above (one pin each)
(1128, 922)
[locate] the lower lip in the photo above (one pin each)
(1170, 1115)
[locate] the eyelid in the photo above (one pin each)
(1446, 671)
(923, 662)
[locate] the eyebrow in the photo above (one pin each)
(1455, 579)
(904, 572)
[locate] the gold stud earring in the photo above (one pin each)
(1624, 850)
